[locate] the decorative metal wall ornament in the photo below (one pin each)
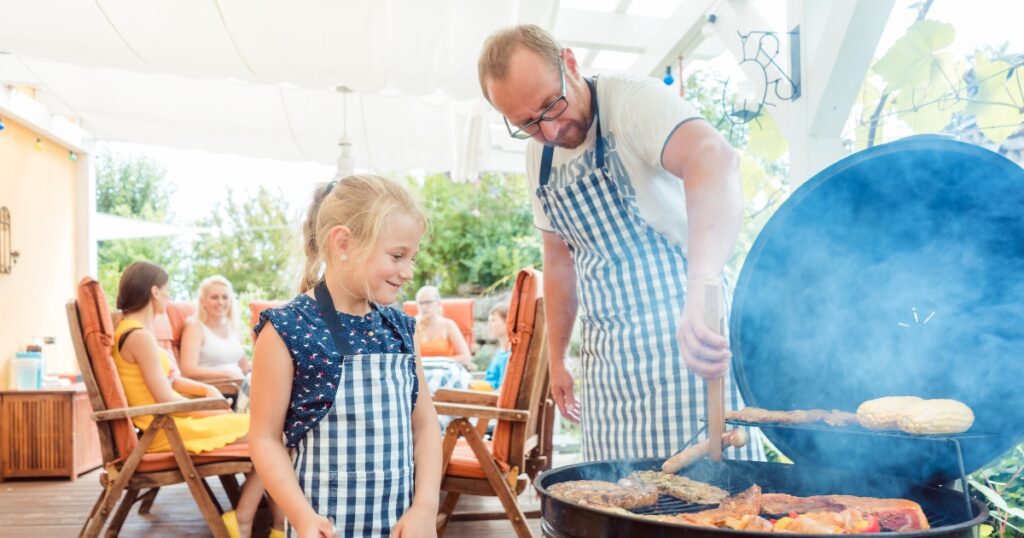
(749, 96)
(8, 257)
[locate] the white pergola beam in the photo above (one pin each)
(678, 34)
(840, 60)
(604, 31)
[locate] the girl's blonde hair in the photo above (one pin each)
(204, 288)
(363, 203)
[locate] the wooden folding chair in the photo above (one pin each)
(524, 412)
(127, 467)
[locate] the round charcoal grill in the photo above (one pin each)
(896, 271)
(562, 519)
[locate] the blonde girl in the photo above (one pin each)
(341, 429)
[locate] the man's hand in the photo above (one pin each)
(705, 352)
(562, 392)
(416, 522)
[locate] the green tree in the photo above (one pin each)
(132, 186)
(481, 232)
(253, 246)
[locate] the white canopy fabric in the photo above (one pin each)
(258, 78)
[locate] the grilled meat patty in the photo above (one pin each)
(681, 487)
(601, 493)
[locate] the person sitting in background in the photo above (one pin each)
(147, 378)
(211, 346)
(436, 335)
(496, 326)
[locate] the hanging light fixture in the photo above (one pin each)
(346, 163)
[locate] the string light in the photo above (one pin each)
(72, 156)
(39, 144)
(668, 79)
(2, 126)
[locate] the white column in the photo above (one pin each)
(86, 262)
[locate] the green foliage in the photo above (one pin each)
(253, 247)
(133, 186)
(920, 81)
(481, 233)
(1002, 486)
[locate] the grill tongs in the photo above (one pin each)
(718, 438)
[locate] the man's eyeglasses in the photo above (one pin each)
(550, 113)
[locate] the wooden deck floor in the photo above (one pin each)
(57, 508)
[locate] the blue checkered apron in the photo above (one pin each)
(356, 465)
(638, 398)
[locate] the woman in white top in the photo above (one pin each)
(211, 347)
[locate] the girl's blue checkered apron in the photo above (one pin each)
(638, 399)
(356, 465)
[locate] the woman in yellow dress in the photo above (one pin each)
(148, 378)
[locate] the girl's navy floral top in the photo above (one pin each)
(317, 360)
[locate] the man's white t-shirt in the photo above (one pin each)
(638, 115)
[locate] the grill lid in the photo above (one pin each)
(896, 271)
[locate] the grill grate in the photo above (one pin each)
(667, 506)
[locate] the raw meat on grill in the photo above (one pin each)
(681, 487)
(892, 514)
(601, 493)
(767, 416)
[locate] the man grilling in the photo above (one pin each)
(636, 195)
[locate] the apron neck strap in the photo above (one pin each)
(325, 304)
(549, 151)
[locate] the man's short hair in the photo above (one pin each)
(498, 48)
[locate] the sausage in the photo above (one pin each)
(689, 455)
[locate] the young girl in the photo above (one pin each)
(335, 376)
(211, 347)
(146, 375)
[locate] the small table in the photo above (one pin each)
(47, 432)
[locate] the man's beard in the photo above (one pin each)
(575, 133)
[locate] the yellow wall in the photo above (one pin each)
(38, 187)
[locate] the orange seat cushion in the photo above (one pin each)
(464, 463)
(164, 461)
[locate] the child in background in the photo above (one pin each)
(335, 378)
(497, 327)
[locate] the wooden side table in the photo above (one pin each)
(47, 432)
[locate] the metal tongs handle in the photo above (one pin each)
(715, 402)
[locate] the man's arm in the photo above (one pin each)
(709, 167)
(560, 305)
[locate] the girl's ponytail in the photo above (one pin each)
(311, 273)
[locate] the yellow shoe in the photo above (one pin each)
(231, 522)
(274, 533)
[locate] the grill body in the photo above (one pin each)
(561, 519)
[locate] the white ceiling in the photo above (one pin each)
(257, 78)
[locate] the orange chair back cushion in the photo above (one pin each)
(458, 310)
(256, 307)
(522, 313)
(98, 334)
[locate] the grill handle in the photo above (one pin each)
(715, 397)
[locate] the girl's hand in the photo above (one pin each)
(417, 522)
(316, 526)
